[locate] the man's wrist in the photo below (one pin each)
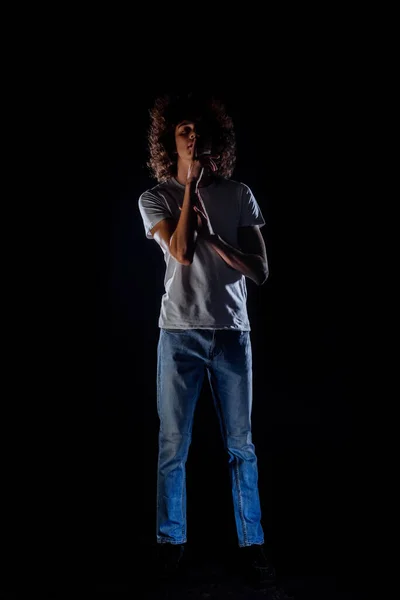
(191, 186)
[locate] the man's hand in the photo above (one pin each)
(195, 171)
(202, 224)
(198, 165)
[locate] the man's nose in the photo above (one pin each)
(193, 135)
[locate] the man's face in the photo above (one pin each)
(185, 135)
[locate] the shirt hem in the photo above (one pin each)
(200, 327)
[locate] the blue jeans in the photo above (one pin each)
(183, 355)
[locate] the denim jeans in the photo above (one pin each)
(183, 356)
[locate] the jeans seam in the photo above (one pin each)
(240, 504)
(182, 504)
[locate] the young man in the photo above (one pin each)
(208, 229)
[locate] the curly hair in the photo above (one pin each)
(168, 111)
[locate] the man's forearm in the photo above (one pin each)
(183, 240)
(250, 265)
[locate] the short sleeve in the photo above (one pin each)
(250, 212)
(153, 209)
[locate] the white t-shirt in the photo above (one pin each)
(208, 294)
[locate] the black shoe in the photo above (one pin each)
(256, 564)
(168, 559)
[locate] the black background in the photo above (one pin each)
(80, 496)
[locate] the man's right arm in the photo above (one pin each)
(179, 239)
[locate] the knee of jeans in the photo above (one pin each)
(240, 444)
(173, 442)
(173, 435)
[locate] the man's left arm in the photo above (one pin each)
(251, 259)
